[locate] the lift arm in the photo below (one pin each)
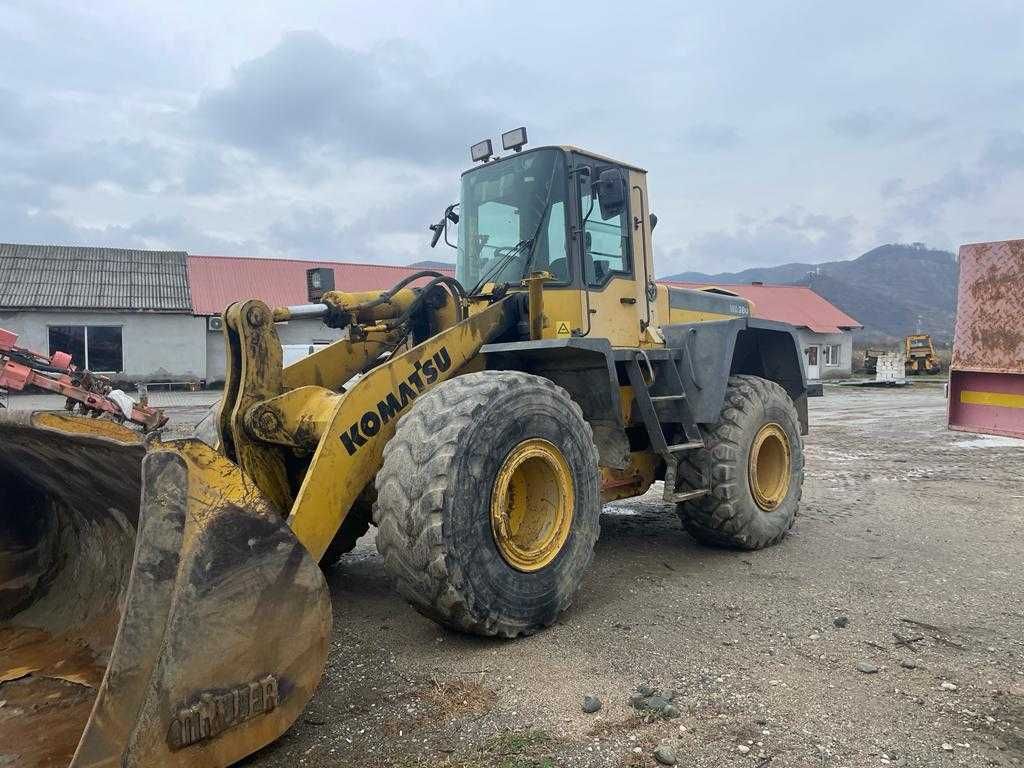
(310, 444)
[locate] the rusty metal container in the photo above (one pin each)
(986, 376)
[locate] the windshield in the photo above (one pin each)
(512, 219)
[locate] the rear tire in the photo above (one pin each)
(733, 514)
(356, 524)
(436, 528)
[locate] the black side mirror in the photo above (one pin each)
(438, 230)
(611, 192)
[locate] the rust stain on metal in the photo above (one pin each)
(49, 684)
(41, 721)
(65, 552)
(31, 651)
(990, 308)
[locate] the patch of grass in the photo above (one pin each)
(515, 742)
(604, 729)
(529, 748)
(520, 749)
(436, 704)
(458, 698)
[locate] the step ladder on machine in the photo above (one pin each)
(661, 399)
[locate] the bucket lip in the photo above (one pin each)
(185, 566)
(71, 425)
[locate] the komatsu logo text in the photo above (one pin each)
(425, 373)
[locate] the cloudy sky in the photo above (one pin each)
(777, 131)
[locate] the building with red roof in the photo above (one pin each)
(825, 331)
(217, 281)
(155, 315)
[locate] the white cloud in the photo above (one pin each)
(794, 236)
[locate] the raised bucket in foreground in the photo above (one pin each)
(154, 608)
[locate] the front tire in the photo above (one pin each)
(488, 503)
(756, 462)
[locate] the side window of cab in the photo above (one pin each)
(604, 209)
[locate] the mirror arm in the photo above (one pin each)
(441, 228)
(453, 217)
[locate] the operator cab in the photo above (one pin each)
(578, 216)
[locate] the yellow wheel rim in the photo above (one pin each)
(532, 505)
(769, 466)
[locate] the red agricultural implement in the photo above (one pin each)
(986, 376)
(83, 391)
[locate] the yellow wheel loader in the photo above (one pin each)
(161, 601)
(919, 355)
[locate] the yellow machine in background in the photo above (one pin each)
(479, 421)
(919, 355)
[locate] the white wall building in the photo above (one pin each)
(154, 315)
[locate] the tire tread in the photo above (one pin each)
(716, 519)
(414, 483)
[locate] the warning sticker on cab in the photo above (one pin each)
(562, 329)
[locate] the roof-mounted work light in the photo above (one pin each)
(514, 139)
(481, 151)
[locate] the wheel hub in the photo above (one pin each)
(532, 505)
(768, 467)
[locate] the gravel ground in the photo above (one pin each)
(910, 533)
(906, 529)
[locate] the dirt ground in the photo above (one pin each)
(913, 533)
(906, 529)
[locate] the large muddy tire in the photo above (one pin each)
(446, 539)
(756, 462)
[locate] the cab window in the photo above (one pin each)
(558, 261)
(606, 240)
(513, 219)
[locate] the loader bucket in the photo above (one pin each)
(155, 609)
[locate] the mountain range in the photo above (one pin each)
(893, 290)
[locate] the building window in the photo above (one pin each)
(831, 354)
(70, 339)
(94, 347)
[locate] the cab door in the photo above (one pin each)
(614, 301)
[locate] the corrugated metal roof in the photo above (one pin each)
(793, 304)
(73, 277)
(217, 281)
